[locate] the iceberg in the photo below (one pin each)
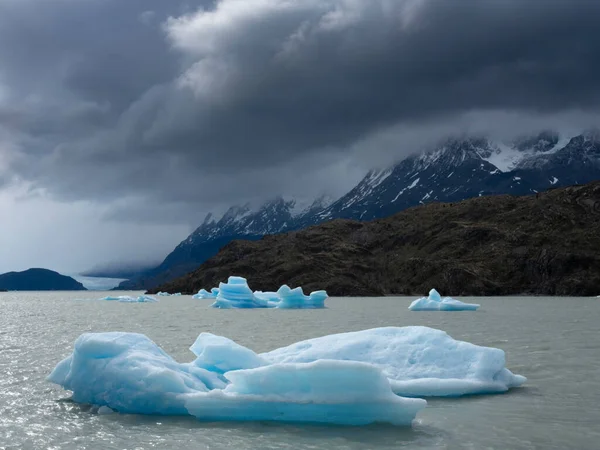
(204, 294)
(166, 294)
(436, 303)
(128, 373)
(237, 294)
(338, 392)
(129, 299)
(418, 361)
(295, 298)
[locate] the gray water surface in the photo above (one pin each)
(554, 342)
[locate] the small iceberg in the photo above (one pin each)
(436, 303)
(166, 294)
(418, 361)
(295, 298)
(204, 294)
(237, 294)
(129, 373)
(129, 299)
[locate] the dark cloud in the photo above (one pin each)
(166, 104)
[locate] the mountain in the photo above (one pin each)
(457, 169)
(465, 168)
(38, 280)
(239, 222)
(543, 244)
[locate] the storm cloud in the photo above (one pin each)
(189, 106)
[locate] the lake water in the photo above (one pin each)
(554, 342)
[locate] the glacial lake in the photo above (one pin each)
(554, 342)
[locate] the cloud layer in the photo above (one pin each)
(182, 107)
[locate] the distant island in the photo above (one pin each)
(38, 280)
(541, 244)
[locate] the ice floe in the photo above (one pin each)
(130, 299)
(418, 361)
(237, 294)
(204, 294)
(348, 378)
(436, 303)
(129, 373)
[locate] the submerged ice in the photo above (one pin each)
(435, 302)
(237, 294)
(348, 378)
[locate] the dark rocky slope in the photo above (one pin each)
(38, 280)
(498, 245)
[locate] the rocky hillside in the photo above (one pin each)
(455, 170)
(38, 280)
(544, 243)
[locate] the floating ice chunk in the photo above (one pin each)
(340, 392)
(129, 373)
(129, 299)
(295, 298)
(204, 294)
(219, 354)
(236, 294)
(436, 303)
(166, 294)
(418, 361)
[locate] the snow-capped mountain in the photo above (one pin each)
(456, 170)
(465, 168)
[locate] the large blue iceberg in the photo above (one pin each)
(347, 378)
(418, 361)
(129, 373)
(435, 302)
(237, 294)
(130, 299)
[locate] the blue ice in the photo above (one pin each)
(295, 298)
(237, 294)
(436, 303)
(129, 373)
(130, 299)
(418, 361)
(204, 294)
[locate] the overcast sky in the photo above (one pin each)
(123, 122)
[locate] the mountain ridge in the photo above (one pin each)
(457, 169)
(540, 244)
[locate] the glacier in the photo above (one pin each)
(418, 361)
(436, 303)
(237, 294)
(130, 299)
(129, 373)
(204, 294)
